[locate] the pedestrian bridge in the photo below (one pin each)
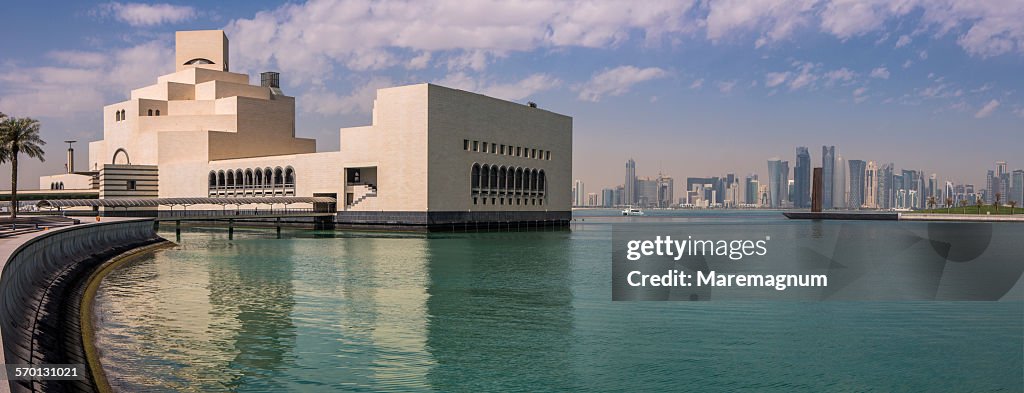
(256, 209)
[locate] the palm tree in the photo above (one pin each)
(931, 202)
(963, 204)
(995, 203)
(979, 203)
(949, 202)
(17, 136)
(1012, 204)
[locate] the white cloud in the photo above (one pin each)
(923, 55)
(518, 90)
(908, 63)
(307, 40)
(86, 81)
(727, 86)
(359, 100)
(1019, 111)
(805, 78)
(775, 79)
(880, 73)
(419, 62)
(697, 84)
(137, 14)
(982, 28)
(987, 109)
(903, 41)
(616, 81)
(842, 75)
(858, 94)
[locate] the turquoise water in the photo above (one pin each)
(529, 311)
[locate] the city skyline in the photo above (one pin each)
(693, 87)
(860, 183)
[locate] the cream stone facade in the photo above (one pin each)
(432, 156)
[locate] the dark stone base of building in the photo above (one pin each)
(453, 221)
(841, 216)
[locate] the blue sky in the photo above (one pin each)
(691, 88)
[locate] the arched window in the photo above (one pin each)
(510, 179)
(278, 176)
(259, 176)
(231, 178)
(213, 179)
(221, 181)
(150, 113)
(540, 182)
(248, 177)
(519, 179)
(198, 60)
(158, 112)
(239, 178)
(61, 185)
(475, 175)
(494, 177)
(485, 180)
(526, 179)
(289, 176)
(503, 179)
(268, 175)
(533, 180)
(117, 115)
(52, 185)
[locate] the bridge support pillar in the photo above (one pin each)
(177, 230)
(278, 227)
(231, 229)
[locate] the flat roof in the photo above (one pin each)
(154, 202)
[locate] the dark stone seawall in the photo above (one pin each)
(41, 291)
(453, 220)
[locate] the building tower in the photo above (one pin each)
(802, 178)
(839, 196)
(857, 182)
(629, 192)
(870, 186)
(828, 161)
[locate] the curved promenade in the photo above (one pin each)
(44, 275)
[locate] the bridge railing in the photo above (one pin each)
(185, 213)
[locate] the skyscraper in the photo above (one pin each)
(750, 188)
(886, 192)
(579, 194)
(990, 184)
(839, 183)
(647, 192)
(1017, 191)
(666, 191)
(828, 162)
(629, 184)
(871, 186)
(857, 182)
(1003, 181)
(778, 182)
(802, 178)
(607, 197)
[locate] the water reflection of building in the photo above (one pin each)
(494, 323)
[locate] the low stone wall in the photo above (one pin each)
(40, 292)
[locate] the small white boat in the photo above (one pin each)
(632, 211)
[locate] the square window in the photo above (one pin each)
(494, 148)
(547, 155)
(533, 153)
(502, 149)
(465, 144)
(485, 147)
(132, 185)
(476, 146)
(519, 151)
